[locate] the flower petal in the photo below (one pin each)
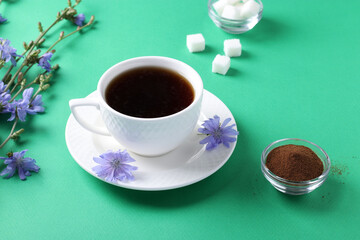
(6, 171)
(100, 160)
(27, 94)
(109, 155)
(9, 171)
(226, 121)
(204, 131)
(208, 139)
(212, 124)
(111, 176)
(102, 171)
(230, 131)
(128, 168)
(12, 117)
(21, 173)
(211, 146)
(21, 114)
(126, 158)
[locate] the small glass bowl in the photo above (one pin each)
(234, 26)
(294, 187)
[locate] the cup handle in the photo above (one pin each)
(85, 102)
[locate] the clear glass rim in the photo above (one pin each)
(213, 13)
(295, 183)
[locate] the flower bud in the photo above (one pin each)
(20, 76)
(46, 86)
(35, 53)
(56, 67)
(41, 41)
(23, 82)
(71, 13)
(48, 76)
(17, 134)
(42, 79)
(40, 27)
(91, 20)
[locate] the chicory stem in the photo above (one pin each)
(11, 132)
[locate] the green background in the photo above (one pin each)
(298, 77)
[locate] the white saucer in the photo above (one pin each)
(187, 164)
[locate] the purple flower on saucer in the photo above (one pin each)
(217, 133)
(114, 166)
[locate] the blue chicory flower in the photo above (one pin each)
(2, 19)
(114, 166)
(36, 106)
(217, 133)
(2, 87)
(4, 102)
(44, 61)
(17, 161)
(4, 98)
(8, 53)
(79, 19)
(23, 106)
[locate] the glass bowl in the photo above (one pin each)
(234, 26)
(294, 187)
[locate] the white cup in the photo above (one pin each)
(144, 136)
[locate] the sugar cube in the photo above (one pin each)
(231, 12)
(239, 5)
(195, 42)
(230, 2)
(221, 64)
(232, 47)
(219, 6)
(238, 8)
(249, 9)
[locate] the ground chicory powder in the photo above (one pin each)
(294, 163)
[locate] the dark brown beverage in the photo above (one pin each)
(149, 92)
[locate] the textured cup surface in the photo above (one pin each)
(151, 136)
